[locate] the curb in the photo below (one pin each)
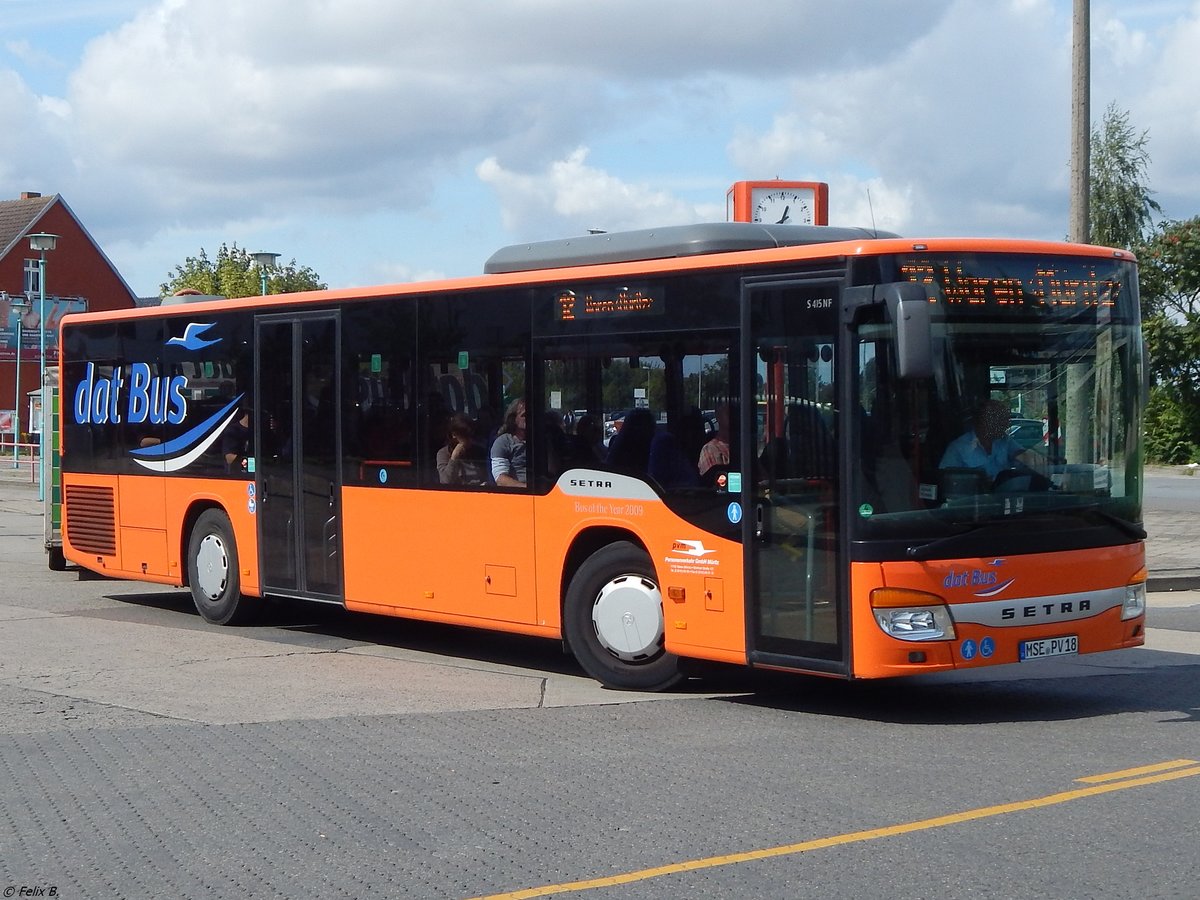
(1167, 580)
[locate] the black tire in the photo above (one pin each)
(613, 621)
(55, 559)
(213, 573)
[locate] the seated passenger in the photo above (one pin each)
(235, 442)
(986, 445)
(674, 451)
(629, 449)
(715, 454)
(586, 445)
(462, 460)
(508, 450)
(557, 450)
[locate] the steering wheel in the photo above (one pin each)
(1020, 481)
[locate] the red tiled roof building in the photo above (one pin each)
(78, 276)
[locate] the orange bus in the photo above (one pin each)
(522, 451)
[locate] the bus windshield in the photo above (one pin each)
(1030, 418)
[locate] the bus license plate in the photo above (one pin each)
(1059, 646)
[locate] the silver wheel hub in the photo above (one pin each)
(212, 567)
(628, 618)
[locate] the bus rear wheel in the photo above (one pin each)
(613, 621)
(213, 570)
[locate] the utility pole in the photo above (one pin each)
(1081, 122)
(1075, 385)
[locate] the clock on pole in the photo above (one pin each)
(778, 202)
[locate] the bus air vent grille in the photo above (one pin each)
(91, 519)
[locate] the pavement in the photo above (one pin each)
(1172, 543)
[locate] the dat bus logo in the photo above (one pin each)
(145, 397)
(138, 397)
(987, 582)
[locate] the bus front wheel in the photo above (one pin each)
(213, 570)
(613, 621)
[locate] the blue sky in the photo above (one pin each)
(393, 140)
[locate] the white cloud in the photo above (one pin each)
(967, 125)
(27, 53)
(36, 134)
(291, 121)
(869, 203)
(1115, 44)
(204, 105)
(1166, 105)
(970, 122)
(397, 273)
(570, 197)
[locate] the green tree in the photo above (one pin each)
(1121, 206)
(1122, 213)
(1170, 283)
(1169, 270)
(235, 274)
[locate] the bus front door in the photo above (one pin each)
(790, 467)
(297, 473)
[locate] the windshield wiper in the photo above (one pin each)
(940, 545)
(929, 549)
(1132, 529)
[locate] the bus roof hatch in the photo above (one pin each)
(666, 243)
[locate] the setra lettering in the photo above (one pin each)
(590, 483)
(1045, 610)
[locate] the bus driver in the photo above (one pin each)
(986, 445)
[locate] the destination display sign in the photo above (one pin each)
(1065, 281)
(608, 301)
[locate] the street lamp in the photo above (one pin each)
(265, 261)
(41, 243)
(20, 307)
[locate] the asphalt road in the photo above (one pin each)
(1166, 491)
(323, 754)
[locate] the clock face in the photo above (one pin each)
(782, 206)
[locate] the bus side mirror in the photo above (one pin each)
(908, 308)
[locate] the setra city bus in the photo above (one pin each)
(289, 447)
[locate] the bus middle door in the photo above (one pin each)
(298, 476)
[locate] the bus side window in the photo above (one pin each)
(378, 393)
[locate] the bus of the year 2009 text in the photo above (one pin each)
(813, 449)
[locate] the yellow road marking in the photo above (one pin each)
(870, 834)
(1141, 770)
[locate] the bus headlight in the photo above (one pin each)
(1135, 601)
(911, 615)
(925, 623)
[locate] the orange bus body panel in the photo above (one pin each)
(231, 495)
(1037, 580)
(707, 620)
(449, 556)
(699, 263)
(469, 558)
(148, 516)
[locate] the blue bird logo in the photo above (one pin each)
(192, 336)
